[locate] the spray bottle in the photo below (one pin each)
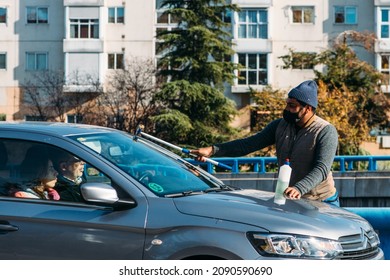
(282, 183)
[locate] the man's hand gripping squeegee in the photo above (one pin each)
(183, 150)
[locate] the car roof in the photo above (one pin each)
(53, 128)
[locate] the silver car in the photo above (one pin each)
(141, 201)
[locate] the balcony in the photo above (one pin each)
(83, 2)
(252, 45)
(252, 3)
(80, 89)
(382, 45)
(83, 45)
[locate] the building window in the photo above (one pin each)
(164, 22)
(254, 71)
(36, 61)
(74, 118)
(166, 18)
(30, 118)
(345, 14)
(3, 15)
(302, 14)
(225, 17)
(385, 23)
(115, 61)
(116, 15)
(3, 61)
(37, 15)
(253, 24)
(385, 66)
(84, 28)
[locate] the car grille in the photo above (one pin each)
(359, 246)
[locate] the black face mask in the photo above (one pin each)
(291, 117)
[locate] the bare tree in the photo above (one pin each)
(83, 91)
(126, 102)
(128, 98)
(44, 96)
(49, 94)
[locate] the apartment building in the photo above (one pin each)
(87, 38)
(94, 37)
(265, 30)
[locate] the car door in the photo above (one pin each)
(38, 229)
(47, 229)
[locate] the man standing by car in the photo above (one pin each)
(70, 171)
(308, 141)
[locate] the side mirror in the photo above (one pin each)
(104, 194)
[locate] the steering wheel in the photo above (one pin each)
(146, 175)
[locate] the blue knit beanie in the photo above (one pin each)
(305, 92)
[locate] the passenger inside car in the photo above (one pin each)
(38, 175)
(70, 176)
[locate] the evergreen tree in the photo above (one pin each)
(196, 64)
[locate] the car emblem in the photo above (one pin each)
(366, 243)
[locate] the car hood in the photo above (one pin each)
(256, 208)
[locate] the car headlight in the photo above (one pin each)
(295, 246)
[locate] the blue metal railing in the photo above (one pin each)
(344, 163)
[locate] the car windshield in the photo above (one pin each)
(158, 169)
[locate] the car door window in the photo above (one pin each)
(36, 170)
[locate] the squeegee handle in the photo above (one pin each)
(161, 141)
(186, 151)
(216, 163)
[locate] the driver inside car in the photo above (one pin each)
(70, 176)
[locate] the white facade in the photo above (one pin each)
(80, 36)
(313, 34)
(74, 36)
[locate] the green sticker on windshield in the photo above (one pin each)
(156, 187)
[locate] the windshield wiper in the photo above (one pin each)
(221, 188)
(186, 193)
(230, 188)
